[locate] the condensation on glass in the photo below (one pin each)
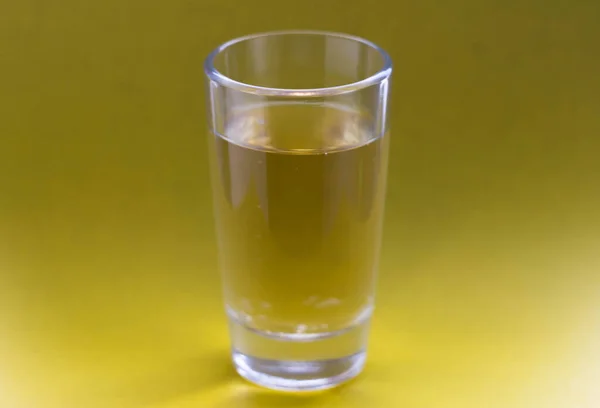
(298, 149)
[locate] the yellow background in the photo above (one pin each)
(489, 292)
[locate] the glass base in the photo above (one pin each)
(299, 362)
(298, 375)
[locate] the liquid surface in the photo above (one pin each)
(299, 194)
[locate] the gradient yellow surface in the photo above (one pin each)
(489, 293)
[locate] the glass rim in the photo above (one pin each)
(213, 74)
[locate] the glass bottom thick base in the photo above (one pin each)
(299, 362)
(298, 375)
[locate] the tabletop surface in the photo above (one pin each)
(489, 289)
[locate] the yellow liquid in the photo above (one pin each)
(299, 194)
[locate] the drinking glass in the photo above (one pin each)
(298, 151)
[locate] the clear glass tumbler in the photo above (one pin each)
(298, 150)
